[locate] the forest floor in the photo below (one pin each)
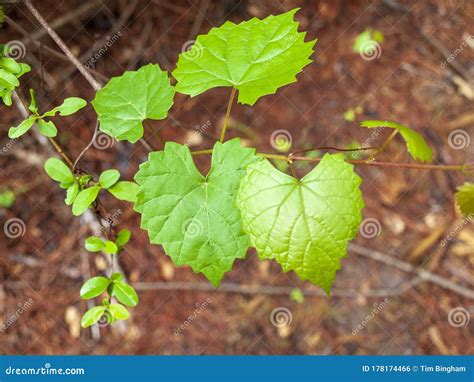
(376, 307)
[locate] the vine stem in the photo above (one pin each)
(415, 166)
(227, 113)
(53, 141)
(62, 45)
(383, 145)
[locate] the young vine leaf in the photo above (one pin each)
(125, 293)
(109, 177)
(119, 312)
(84, 199)
(256, 57)
(305, 224)
(124, 190)
(46, 128)
(193, 216)
(58, 171)
(465, 198)
(126, 101)
(94, 287)
(10, 72)
(416, 144)
(69, 106)
(92, 316)
(94, 244)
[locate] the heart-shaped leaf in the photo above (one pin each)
(193, 216)
(304, 224)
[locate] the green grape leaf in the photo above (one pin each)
(94, 287)
(47, 128)
(256, 57)
(92, 316)
(22, 128)
(416, 144)
(118, 311)
(58, 171)
(123, 237)
(84, 199)
(71, 194)
(124, 190)
(304, 224)
(126, 101)
(108, 178)
(69, 106)
(465, 198)
(193, 216)
(125, 294)
(94, 244)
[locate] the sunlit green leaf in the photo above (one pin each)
(58, 171)
(126, 101)
(305, 224)
(124, 190)
(84, 199)
(69, 106)
(108, 178)
(94, 244)
(416, 144)
(193, 216)
(92, 316)
(22, 128)
(47, 128)
(94, 287)
(465, 198)
(256, 57)
(125, 294)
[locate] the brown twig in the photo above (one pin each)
(96, 85)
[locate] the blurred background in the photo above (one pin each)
(406, 286)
